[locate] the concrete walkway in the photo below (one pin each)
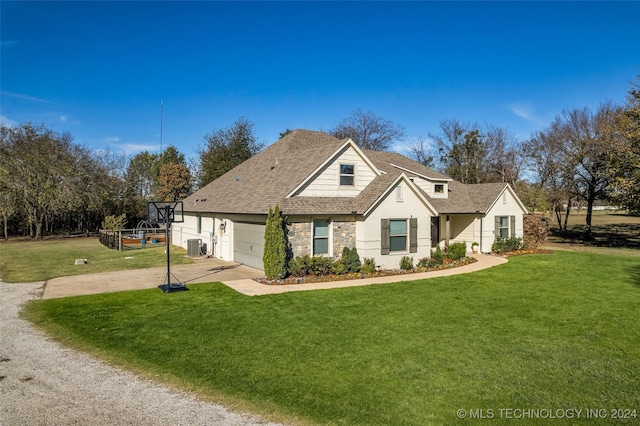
(252, 288)
(233, 275)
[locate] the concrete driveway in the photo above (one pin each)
(201, 271)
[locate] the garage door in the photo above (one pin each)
(248, 244)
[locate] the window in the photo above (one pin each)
(394, 236)
(320, 237)
(347, 175)
(504, 227)
(398, 235)
(439, 188)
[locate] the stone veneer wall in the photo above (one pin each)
(300, 236)
(344, 235)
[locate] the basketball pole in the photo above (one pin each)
(168, 244)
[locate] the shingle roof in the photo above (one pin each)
(268, 177)
(385, 161)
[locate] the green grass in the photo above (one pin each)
(42, 260)
(546, 331)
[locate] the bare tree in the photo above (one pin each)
(421, 151)
(368, 130)
(570, 157)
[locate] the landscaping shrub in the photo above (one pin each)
(300, 266)
(349, 262)
(406, 263)
(457, 251)
(275, 253)
(321, 265)
(352, 259)
(503, 245)
(114, 223)
(368, 265)
(437, 256)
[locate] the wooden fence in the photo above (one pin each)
(126, 239)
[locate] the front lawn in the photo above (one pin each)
(29, 261)
(554, 332)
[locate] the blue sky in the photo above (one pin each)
(99, 70)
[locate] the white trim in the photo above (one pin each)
(411, 185)
(348, 143)
(420, 174)
(513, 194)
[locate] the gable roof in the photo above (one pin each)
(266, 178)
(274, 174)
(390, 162)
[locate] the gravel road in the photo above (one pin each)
(43, 383)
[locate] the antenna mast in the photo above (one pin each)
(161, 105)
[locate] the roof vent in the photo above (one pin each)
(275, 164)
(239, 178)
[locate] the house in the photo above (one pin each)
(333, 194)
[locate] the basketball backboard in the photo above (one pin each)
(163, 212)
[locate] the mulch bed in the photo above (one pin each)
(448, 264)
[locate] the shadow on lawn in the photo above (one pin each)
(624, 235)
(634, 274)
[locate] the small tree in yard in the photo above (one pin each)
(275, 253)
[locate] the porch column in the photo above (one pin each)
(447, 230)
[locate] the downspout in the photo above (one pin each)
(481, 236)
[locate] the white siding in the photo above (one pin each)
(368, 232)
(465, 228)
(429, 187)
(182, 232)
(505, 205)
(326, 183)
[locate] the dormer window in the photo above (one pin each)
(439, 188)
(347, 174)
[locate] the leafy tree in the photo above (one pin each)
(225, 149)
(368, 130)
(51, 180)
(624, 159)
(465, 160)
(478, 154)
(170, 155)
(140, 184)
(114, 223)
(275, 255)
(174, 182)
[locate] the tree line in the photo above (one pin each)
(51, 185)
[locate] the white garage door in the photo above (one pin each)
(248, 244)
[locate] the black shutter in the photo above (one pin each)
(385, 232)
(513, 226)
(413, 235)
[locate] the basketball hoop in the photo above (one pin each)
(167, 212)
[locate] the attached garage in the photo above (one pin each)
(248, 244)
